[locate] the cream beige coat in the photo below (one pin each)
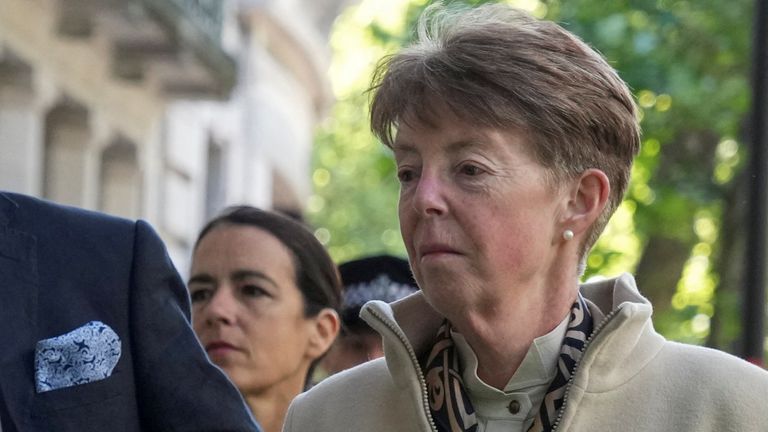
(629, 379)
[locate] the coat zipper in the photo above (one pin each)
(416, 365)
(589, 340)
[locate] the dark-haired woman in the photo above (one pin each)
(264, 298)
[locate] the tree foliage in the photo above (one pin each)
(678, 229)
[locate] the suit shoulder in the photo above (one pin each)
(36, 212)
(67, 235)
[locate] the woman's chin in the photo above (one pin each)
(445, 292)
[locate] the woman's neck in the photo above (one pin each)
(501, 335)
(269, 407)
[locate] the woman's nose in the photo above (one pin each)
(222, 308)
(428, 197)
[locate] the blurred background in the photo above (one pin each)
(170, 110)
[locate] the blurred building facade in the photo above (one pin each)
(166, 110)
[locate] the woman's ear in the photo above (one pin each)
(325, 328)
(587, 199)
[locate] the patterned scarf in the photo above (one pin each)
(451, 408)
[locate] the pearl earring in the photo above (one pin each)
(567, 235)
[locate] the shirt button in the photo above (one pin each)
(514, 407)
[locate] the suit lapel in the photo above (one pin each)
(19, 285)
(18, 310)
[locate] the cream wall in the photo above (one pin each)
(74, 129)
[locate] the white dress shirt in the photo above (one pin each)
(515, 408)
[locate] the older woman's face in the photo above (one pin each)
(247, 310)
(479, 219)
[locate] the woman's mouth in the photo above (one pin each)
(220, 348)
(436, 251)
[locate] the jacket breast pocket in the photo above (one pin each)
(98, 392)
(106, 405)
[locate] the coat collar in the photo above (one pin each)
(419, 322)
(412, 316)
(628, 333)
(624, 342)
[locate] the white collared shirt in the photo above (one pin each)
(515, 408)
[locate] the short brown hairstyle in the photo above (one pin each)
(499, 67)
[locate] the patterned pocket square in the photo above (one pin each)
(84, 355)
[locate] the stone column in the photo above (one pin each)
(66, 165)
(120, 180)
(20, 129)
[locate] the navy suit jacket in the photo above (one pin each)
(61, 268)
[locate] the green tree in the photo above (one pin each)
(355, 203)
(688, 64)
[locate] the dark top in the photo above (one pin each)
(61, 268)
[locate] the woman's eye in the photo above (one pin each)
(252, 291)
(471, 170)
(405, 175)
(199, 295)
